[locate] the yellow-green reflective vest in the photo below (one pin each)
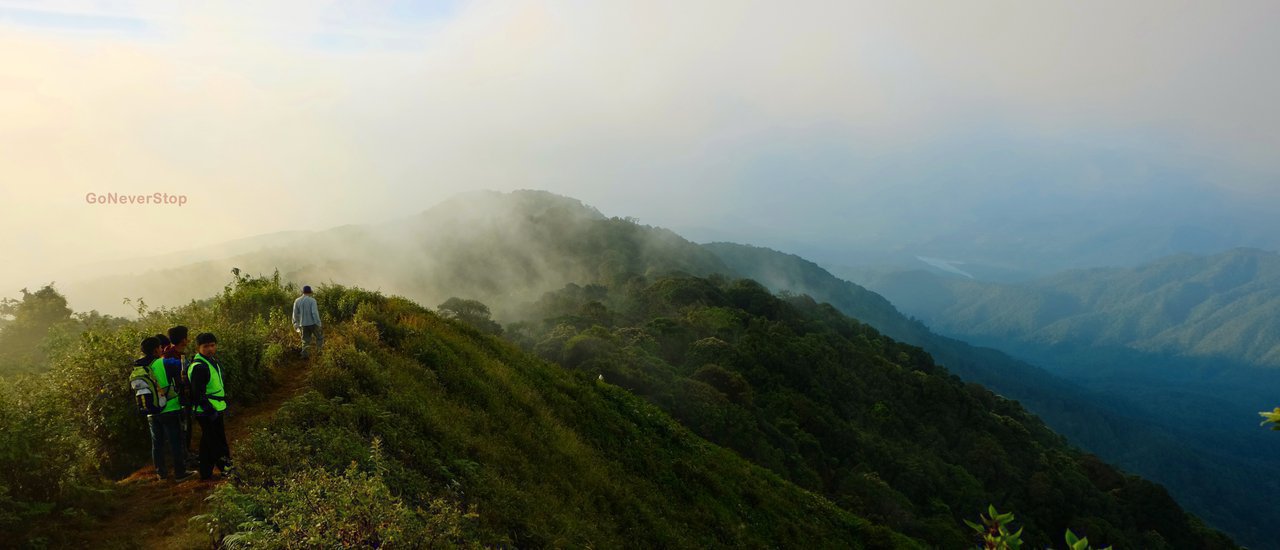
(215, 392)
(166, 388)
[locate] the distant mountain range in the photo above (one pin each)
(1181, 336)
(1188, 342)
(1220, 307)
(995, 209)
(508, 250)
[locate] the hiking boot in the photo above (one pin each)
(183, 476)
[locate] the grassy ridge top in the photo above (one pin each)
(541, 456)
(557, 241)
(414, 428)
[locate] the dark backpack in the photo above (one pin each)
(179, 382)
(147, 398)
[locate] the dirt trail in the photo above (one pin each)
(148, 513)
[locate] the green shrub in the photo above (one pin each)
(91, 380)
(317, 508)
(247, 297)
(339, 303)
(995, 532)
(45, 465)
(63, 429)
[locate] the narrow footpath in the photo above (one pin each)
(148, 513)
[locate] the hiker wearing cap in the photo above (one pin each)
(209, 395)
(306, 319)
(164, 417)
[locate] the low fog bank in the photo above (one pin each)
(509, 248)
(505, 249)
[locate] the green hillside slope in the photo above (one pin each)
(836, 407)
(1189, 437)
(411, 430)
(509, 248)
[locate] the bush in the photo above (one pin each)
(90, 380)
(339, 303)
(44, 463)
(318, 508)
(247, 297)
(62, 429)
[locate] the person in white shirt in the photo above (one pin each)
(306, 319)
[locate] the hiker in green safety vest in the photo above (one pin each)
(176, 360)
(165, 425)
(210, 395)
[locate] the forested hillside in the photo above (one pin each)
(833, 405)
(1194, 437)
(508, 249)
(411, 429)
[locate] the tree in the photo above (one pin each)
(29, 321)
(471, 312)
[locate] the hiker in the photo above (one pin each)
(209, 405)
(177, 343)
(165, 420)
(306, 319)
(176, 365)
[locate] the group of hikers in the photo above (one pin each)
(177, 380)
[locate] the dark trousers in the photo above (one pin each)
(188, 426)
(214, 450)
(166, 432)
(308, 333)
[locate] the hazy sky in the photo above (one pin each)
(774, 120)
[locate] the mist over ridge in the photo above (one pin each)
(510, 249)
(844, 131)
(650, 272)
(505, 247)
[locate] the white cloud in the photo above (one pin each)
(302, 115)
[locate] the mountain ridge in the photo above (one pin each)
(406, 429)
(509, 260)
(1200, 306)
